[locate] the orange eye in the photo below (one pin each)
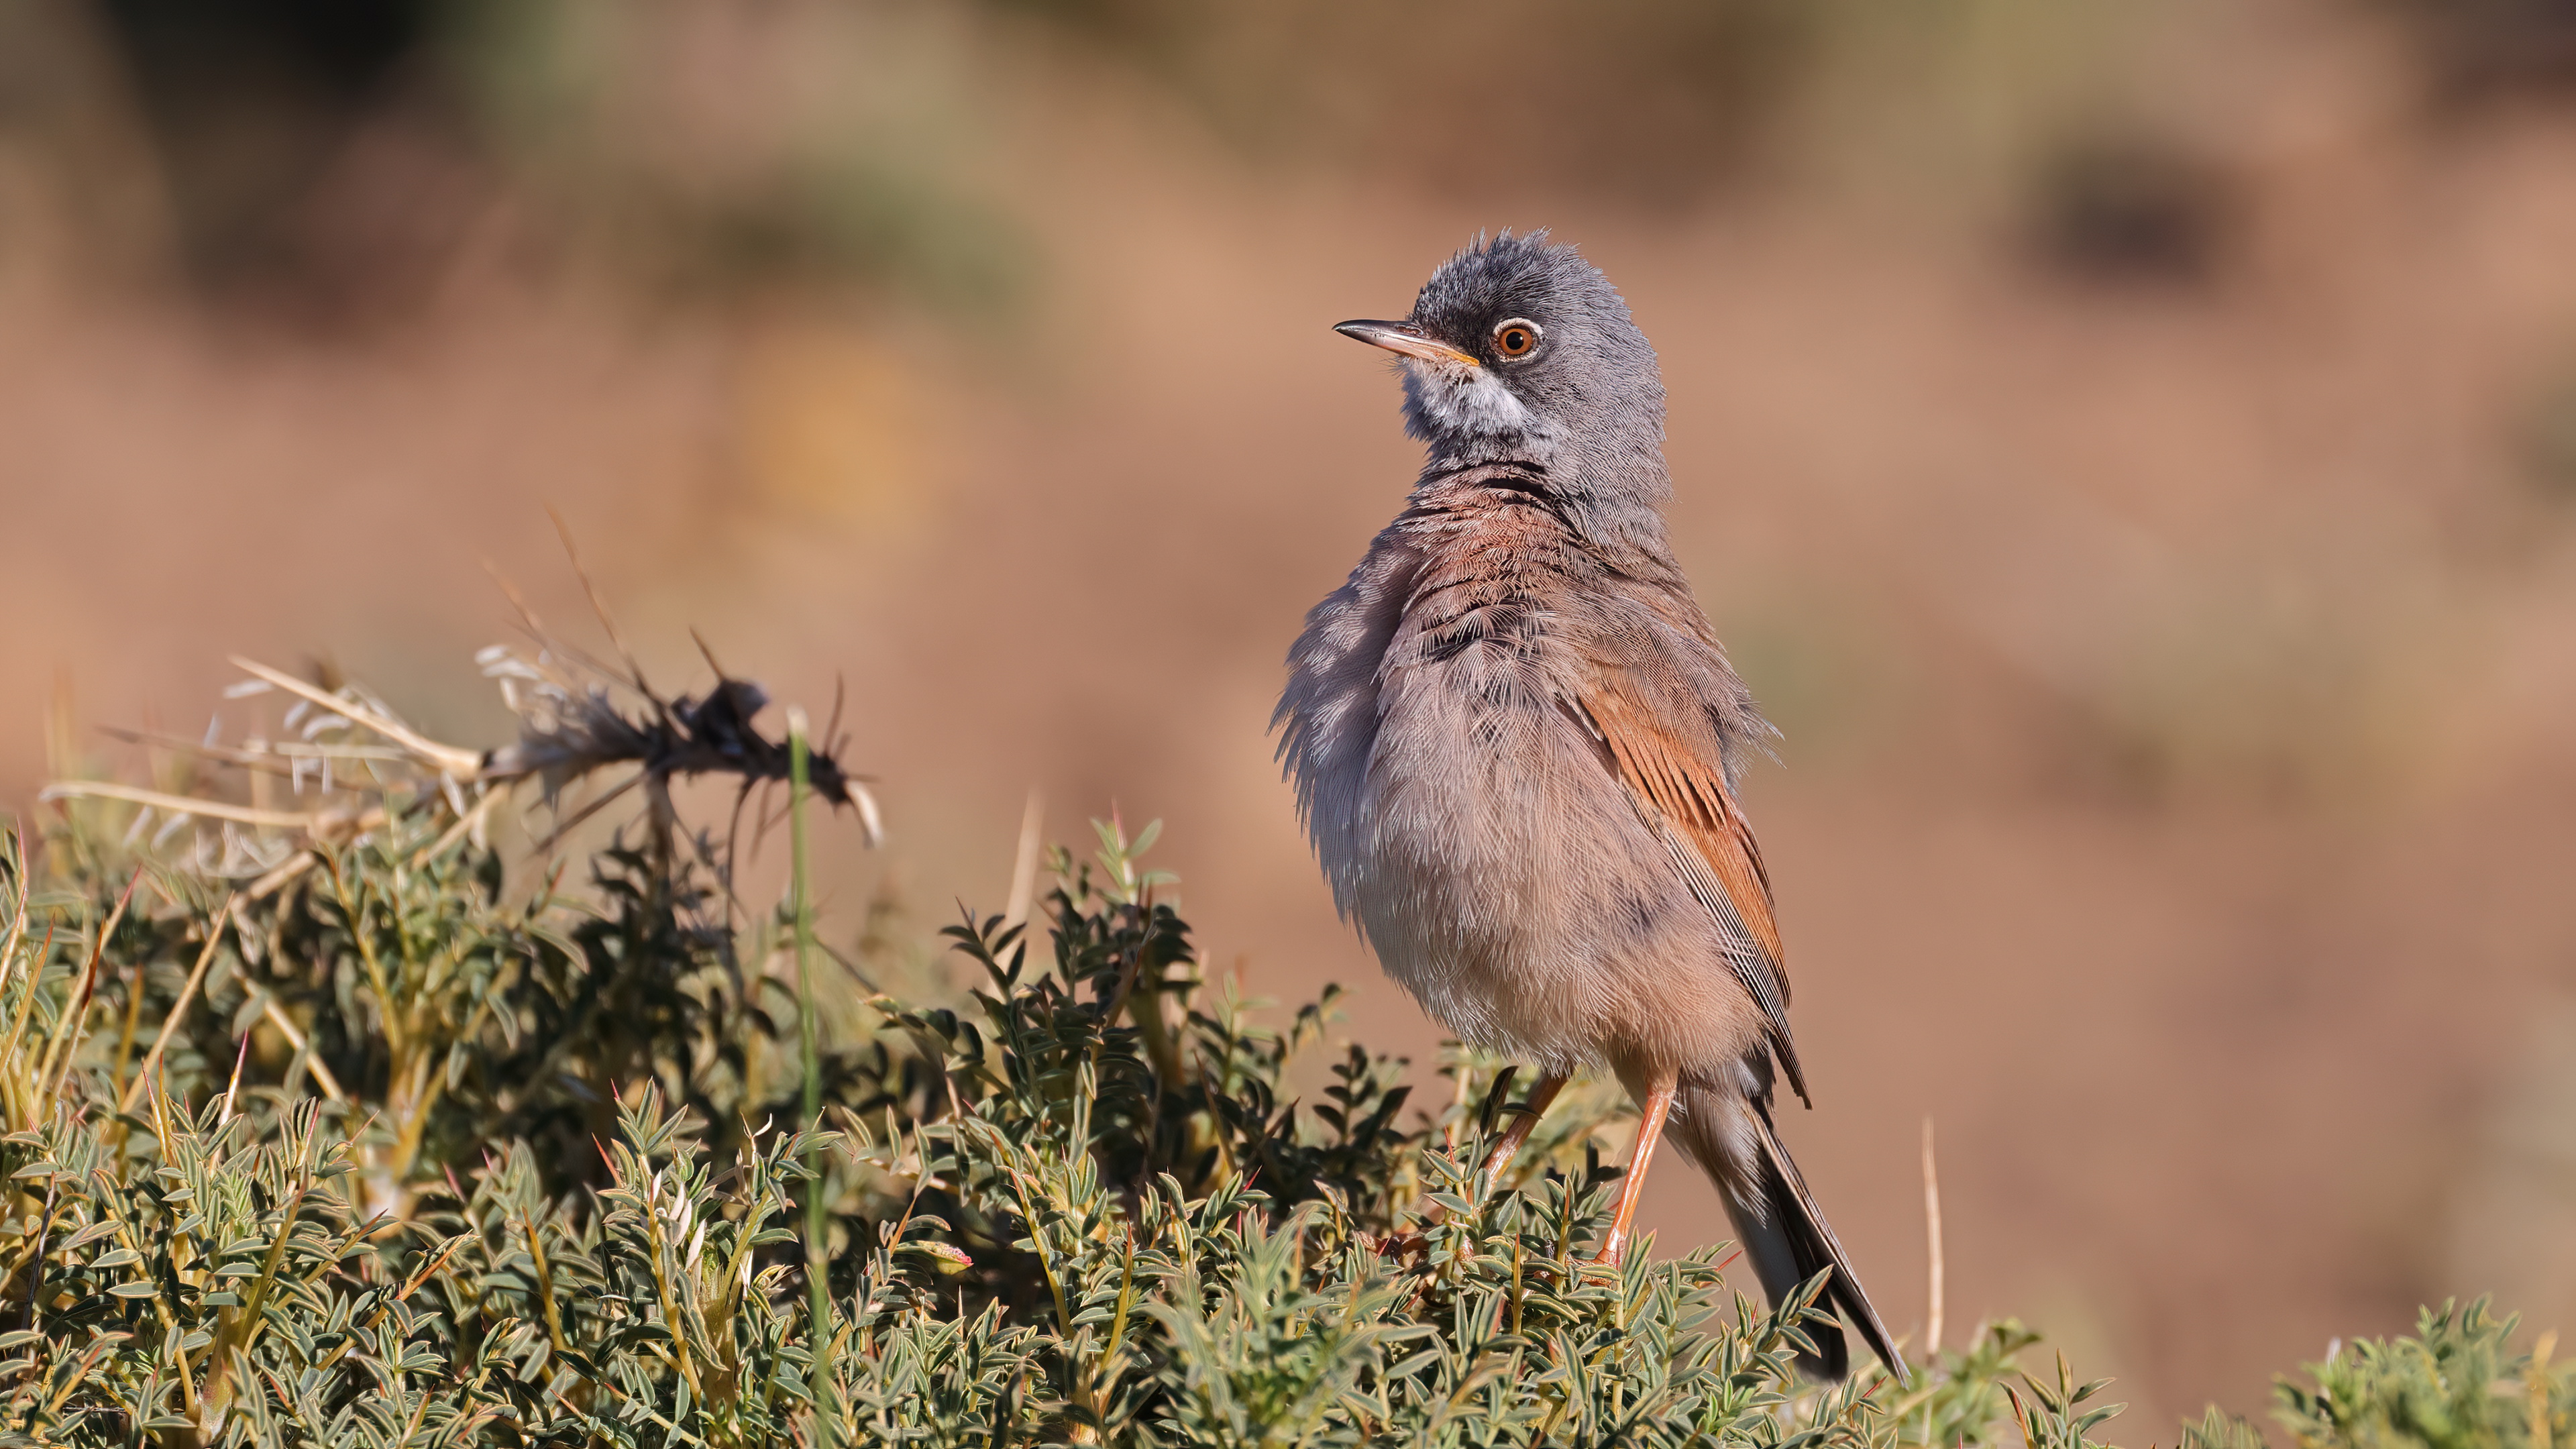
(1516, 338)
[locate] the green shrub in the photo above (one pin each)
(2454, 1385)
(386, 1139)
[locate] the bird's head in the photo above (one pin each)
(1517, 350)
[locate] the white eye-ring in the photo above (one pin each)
(1517, 338)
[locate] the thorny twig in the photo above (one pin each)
(351, 756)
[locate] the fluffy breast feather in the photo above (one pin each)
(1462, 813)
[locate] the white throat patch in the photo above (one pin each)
(1471, 400)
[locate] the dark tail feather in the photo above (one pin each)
(1785, 1234)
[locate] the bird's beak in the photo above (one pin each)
(1406, 338)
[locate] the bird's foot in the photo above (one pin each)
(1404, 1245)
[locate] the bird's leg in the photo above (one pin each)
(1542, 1092)
(1658, 1105)
(1524, 1118)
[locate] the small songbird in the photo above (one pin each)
(1515, 742)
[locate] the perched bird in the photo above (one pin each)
(1515, 743)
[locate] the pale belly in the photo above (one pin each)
(1505, 878)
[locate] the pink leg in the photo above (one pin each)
(1658, 1105)
(1509, 1145)
(1541, 1094)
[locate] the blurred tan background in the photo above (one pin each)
(2130, 449)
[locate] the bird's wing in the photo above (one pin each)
(1681, 790)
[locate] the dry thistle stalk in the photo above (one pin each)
(348, 759)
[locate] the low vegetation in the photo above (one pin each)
(328, 1121)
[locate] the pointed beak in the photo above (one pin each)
(1406, 338)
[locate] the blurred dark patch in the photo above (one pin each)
(2549, 435)
(612, 143)
(332, 163)
(2487, 49)
(1653, 102)
(255, 107)
(810, 221)
(2130, 209)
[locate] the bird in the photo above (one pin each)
(1515, 743)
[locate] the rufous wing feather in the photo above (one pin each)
(1681, 791)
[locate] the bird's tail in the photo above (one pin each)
(1783, 1231)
